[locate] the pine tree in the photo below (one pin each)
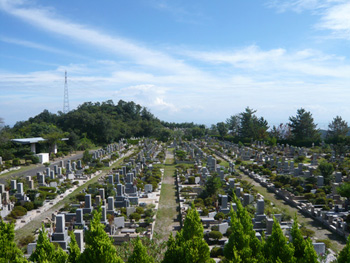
(74, 250)
(9, 252)
(243, 245)
(140, 254)
(189, 245)
(344, 255)
(99, 247)
(298, 241)
(310, 255)
(276, 247)
(45, 251)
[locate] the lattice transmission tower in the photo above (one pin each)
(66, 98)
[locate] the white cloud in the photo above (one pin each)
(334, 15)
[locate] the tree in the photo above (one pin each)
(140, 255)
(344, 255)
(337, 129)
(344, 190)
(222, 129)
(9, 252)
(251, 126)
(285, 252)
(99, 247)
(281, 132)
(189, 245)
(212, 186)
(233, 124)
(243, 245)
(297, 240)
(86, 156)
(74, 250)
(326, 170)
(45, 251)
(310, 255)
(303, 128)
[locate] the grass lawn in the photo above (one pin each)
(167, 211)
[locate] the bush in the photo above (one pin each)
(16, 162)
(215, 235)
(29, 206)
(140, 210)
(205, 212)
(216, 252)
(135, 216)
(219, 216)
(191, 180)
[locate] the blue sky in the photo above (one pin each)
(198, 60)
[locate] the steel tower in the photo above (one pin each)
(66, 99)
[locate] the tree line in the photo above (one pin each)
(89, 124)
(301, 129)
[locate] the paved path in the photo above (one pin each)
(38, 168)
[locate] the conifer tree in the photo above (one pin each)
(243, 245)
(99, 247)
(297, 240)
(9, 252)
(140, 254)
(310, 255)
(276, 247)
(74, 250)
(45, 251)
(189, 245)
(344, 255)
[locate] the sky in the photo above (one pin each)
(198, 61)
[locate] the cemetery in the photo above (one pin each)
(127, 197)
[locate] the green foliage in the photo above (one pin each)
(9, 252)
(344, 255)
(86, 157)
(74, 251)
(303, 128)
(215, 235)
(99, 247)
(45, 251)
(344, 190)
(337, 129)
(285, 252)
(140, 255)
(251, 126)
(189, 245)
(326, 170)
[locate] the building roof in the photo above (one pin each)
(29, 140)
(33, 140)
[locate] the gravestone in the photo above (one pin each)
(79, 220)
(110, 204)
(13, 185)
(110, 179)
(101, 192)
(223, 228)
(260, 206)
(119, 222)
(60, 235)
(320, 181)
(79, 237)
(148, 188)
(338, 177)
(88, 208)
(97, 200)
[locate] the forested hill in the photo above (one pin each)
(100, 122)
